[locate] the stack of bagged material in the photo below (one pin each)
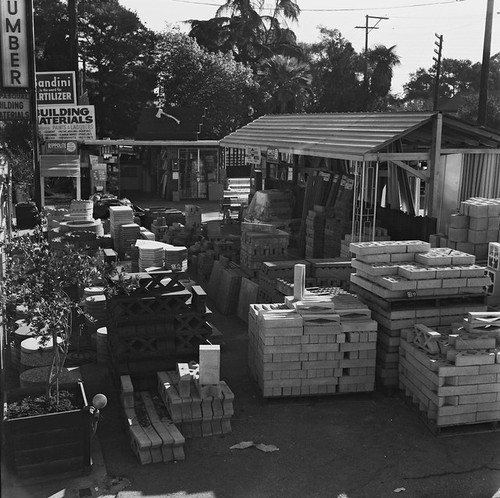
(453, 376)
(119, 215)
(405, 282)
(261, 242)
(471, 229)
(81, 210)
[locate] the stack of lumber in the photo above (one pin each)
(153, 435)
(261, 242)
(471, 229)
(321, 344)
(405, 282)
(454, 376)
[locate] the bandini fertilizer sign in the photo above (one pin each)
(73, 122)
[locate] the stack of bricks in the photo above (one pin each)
(454, 377)
(261, 242)
(153, 436)
(471, 229)
(319, 345)
(197, 400)
(405, 282)
(315, 232)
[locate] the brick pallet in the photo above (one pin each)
(324, 344)
(153, 436)
(454, 376)
(404, 281)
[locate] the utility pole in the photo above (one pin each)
(485, 66)
(367, 29)
(438, 51)
(73, 42)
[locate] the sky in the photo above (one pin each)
(411, 25)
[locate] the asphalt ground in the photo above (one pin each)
(367, 445)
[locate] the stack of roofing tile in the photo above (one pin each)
(153, 436)
(454, 377)
(405, 282)
(322, 344)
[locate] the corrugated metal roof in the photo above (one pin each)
(338, 135)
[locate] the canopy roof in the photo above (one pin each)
(360, 136)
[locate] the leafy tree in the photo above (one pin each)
(336, 70)
(469, 111)
(189, 75)
(287, 82)
(241, 28)
(116, 49)
(382, 60)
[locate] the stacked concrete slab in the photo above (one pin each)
(454, 376)
(321, 344)
(405, 282)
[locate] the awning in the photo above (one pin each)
(60, 166)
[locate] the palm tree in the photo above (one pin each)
(383, 60)
(288, 82)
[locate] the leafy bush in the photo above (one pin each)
(40, 405)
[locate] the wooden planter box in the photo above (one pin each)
(41, 445)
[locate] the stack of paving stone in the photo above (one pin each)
(119, 215)
(315, 232)
(151, 254)
(197, 400)
(129, 233)
(176, 257)
(80, 210)
(405, 282)
(321, 344)
(153, 436)
(454, 377)
(261, 242)
(471, 229)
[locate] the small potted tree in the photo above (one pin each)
(47, 429)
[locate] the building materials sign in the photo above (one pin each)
(14, 105)
(14, 43)
(67, 122)
(56, 88)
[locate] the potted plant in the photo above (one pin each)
(48, 429)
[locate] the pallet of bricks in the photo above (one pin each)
(405, 282)
(453, 376)
(322, 344)
(476, 224)
(368, 235)
(261, 242)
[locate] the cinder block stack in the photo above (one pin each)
(153, 436)
(475, 225)
(200, 404)
(367, 235)
(315, 232)
(333, 272)
(407, 281)
(261, 242)
(454, 377)
(322, 344)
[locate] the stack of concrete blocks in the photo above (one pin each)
(405, 282)
(261, 242)
(333, 272)
(193, 217)
(493, 272)
(312, 344)
(454, 377)
(195, 397)
(146, 234)
(471, 229)
(153, 436)
(366, 236)
(315, 232)
(159, 227)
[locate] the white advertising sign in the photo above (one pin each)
(76, 122)
(252, 155)
(14, 43)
